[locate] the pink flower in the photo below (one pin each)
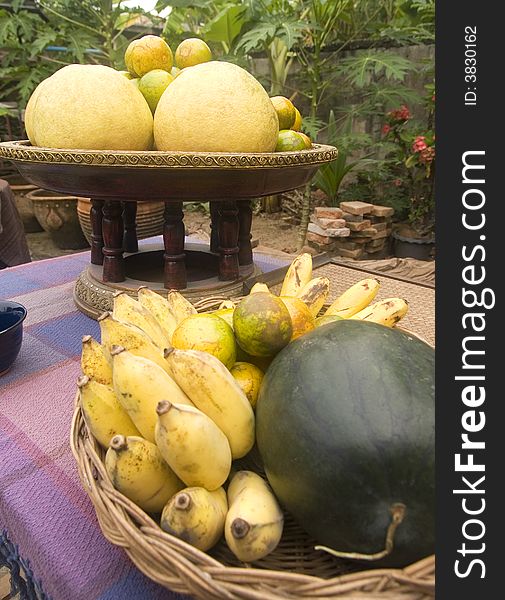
(427, 155)
(386, 129)
(397, 182)
(419, 144)
(400, 114)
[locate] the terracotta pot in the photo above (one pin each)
(407, 247)
(24, 204)
(149, 218)
(57, 214)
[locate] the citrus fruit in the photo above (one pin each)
(297, 125)
(90, 107)
(215, 107)
(305, 138)
(148, 53)
(208, 333)
(191, 52)
(289, 140)
(262, 324)
(153, 84)
(286, 111)
(301, 317)
(249, 378)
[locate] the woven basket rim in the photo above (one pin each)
(178, 566)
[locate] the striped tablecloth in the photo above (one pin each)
(47, 523)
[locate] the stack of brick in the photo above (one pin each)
(370, 229)
(327, 226)
(355, 230)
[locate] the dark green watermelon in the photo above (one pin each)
(346, 430)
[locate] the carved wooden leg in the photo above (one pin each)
(96, 232)
(112, 223)
(130, 242)
(228, 241)
(214, 226)
(245, 255)
(173, 236)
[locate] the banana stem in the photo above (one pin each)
(115, 350)
(163, 407)
(397, 514)
(183, 501)
(118, 442)
(240, 528)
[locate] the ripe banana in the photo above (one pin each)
(226, 304)
(386, 312)
(254, 522)
(213, 390)
(354, 299)
(140, 384)
(314, 294)
(137, 470)
(193, 445)
(298, 275)
(180, 307)
(130, 337)
(104, 415)
(94, 364)
(128, 310)
(259, 287)
(159, 308)
(196, 516)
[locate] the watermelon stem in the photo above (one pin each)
(397, 515)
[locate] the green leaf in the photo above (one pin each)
(226, 26)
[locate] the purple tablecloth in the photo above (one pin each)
(47, 521)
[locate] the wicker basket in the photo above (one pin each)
(293, 571)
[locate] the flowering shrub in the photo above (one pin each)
(415, 151)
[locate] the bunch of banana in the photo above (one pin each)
(254, 522)
(196, 516)
(213, 390)
(137, 470)
(180, 307)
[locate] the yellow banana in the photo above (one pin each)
(128, 310)
(180, 307)
(386, 312)
(160, 309)
(193, 445)
(259, 287)
(137, 470)
(226, 304)
(196, 516)
(314, 294)
(104, 415)
(213, 390)
(298, 275)
(130, 337)
(140, 384)
(354, 299)
(94, 364)
(254, 522)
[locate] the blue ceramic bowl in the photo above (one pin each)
(12, 316)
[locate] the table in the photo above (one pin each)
(47, 523)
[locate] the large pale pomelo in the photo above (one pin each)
(215, 107)
(89, 107)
